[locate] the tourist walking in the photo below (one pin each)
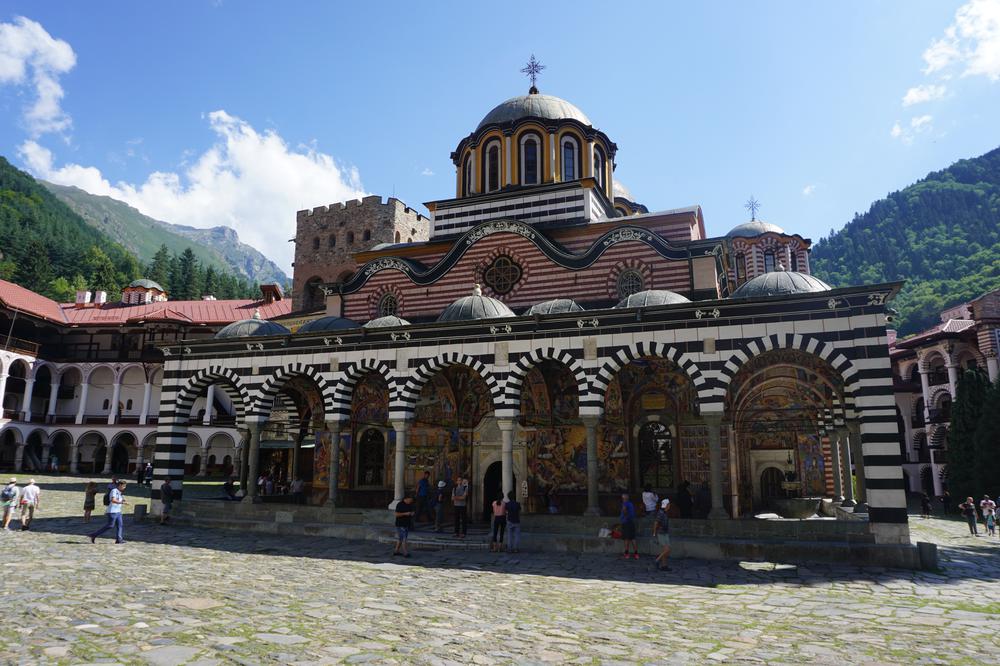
(89, 500)
(649, 499)
(167, 498)
(991, 525)
(439, 500)
(423, 498)
(459, 499)
(116, 502)
(30, 500)
(9, 497)
(404, 523)
(925, 506)
(149, 474)
(499, 507)
(988, 508)
(661, 532)
(513, 523)
(627, 520)
(946, 503)
(968, 509)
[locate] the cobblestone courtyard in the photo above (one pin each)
(182, 595)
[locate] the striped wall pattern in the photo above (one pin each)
(266, 394)
(851, 339)
(567, 205)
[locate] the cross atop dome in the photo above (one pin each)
(753, 206)
(532, 70)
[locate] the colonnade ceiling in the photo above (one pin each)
(649, 384)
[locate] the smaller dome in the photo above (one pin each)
(780, 283)
(644, 299)
(326, 324)
(754, 228)
(247, 328)
(146, 284)
(475, 306)
(388, 321)
(555, 306)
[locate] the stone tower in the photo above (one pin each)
(328, 237)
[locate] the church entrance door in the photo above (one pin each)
(492, 487)
(770, 485)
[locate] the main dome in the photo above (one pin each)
(780, 283)
(754, 228)
(533, 105)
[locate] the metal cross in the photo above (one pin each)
(753, 206)
(533, 69)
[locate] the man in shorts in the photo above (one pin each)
(627, 520)
(9, 498)
(30, 500)
(404, 523)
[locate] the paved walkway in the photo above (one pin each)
(184, 595)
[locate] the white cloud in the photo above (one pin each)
(896, 131)
(971, 42)
(251, 181)
(427, 172)
(918, 125)
(808, 190)
(923, 93)
(31, 57)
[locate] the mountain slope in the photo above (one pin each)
(941, 235)
(218, 247)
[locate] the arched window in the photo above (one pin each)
(795, 260)
(350, 238)
(492, 166)
(466, 176)
(769, 261)
(530, 159)
(107, 403)
(331, 242)
(388, 305)
(397, 236)
(316, 243)
(570, 159)
(741, 267)
(367, 235)
(599, 166)
(629, 282)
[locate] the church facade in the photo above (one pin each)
(544, 333)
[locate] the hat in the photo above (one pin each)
(664, 504)
(12, 480)
(441, 484)
(30, 481)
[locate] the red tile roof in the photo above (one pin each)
(116, 314)
(944, 329)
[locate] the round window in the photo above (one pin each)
(629, 282)
(502, 275)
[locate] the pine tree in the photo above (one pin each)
(35, 270)
(159, 268)
(61, 291)
(211, 283)
(963, 475)
(103, 276)
(987, 440)
(188, 287)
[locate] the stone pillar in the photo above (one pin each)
(992, 366)
(838, 488)
(74, 453)
(203, 467)
(108, 449)
(3, 390)
(506, 454)
(19, 457)
(952, 378)
(593, 470)
(46, 452)
(53, 400)
(334, 463)
(82, 409)
(399, 471)
(209, 403)
(552, 160)
(854, 428)
(116, 395)
(507, 163)
(844, 446)
(925, 388)
(589, 166)
(472, 186)
(138, 454)
(147, 394)
(714, 424)
(244, 456)
(29, 389)
(253, 461)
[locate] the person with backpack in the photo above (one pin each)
(116, 502)
(9, 497)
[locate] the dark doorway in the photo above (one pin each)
(119, 459)
(656, 456)
(770, 485)
(196, 464)
(492, 487)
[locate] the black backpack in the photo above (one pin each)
(107, 498)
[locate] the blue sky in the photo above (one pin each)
(233, 113)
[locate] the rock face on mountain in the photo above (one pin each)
(219, 247)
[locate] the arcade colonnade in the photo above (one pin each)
(858, 422)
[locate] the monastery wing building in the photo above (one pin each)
(544, 333)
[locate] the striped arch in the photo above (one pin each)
(802, 343)
(344, 392)
(264, 400)
(515, 380)
(937, 394)
(224, 378)
(634, 352)
(402, 408)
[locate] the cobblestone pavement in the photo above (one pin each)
(175, 595)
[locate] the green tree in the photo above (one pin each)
(187, 277)
(35, 271)
(986, 441)
(159, 268)
(8, 269)
(963, 473)
(61, 290)
(211, 283)
(103, 275)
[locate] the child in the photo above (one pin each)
(991, 525)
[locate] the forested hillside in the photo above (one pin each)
(941, 235)
(48, 248)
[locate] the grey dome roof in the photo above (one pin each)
(533, 105)
(327, 324)
(753, 228)
(246, 328)
(780, 283)
(146, 284)
(555, 306)
(388, 321)
(475, 306)
(650, 297)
